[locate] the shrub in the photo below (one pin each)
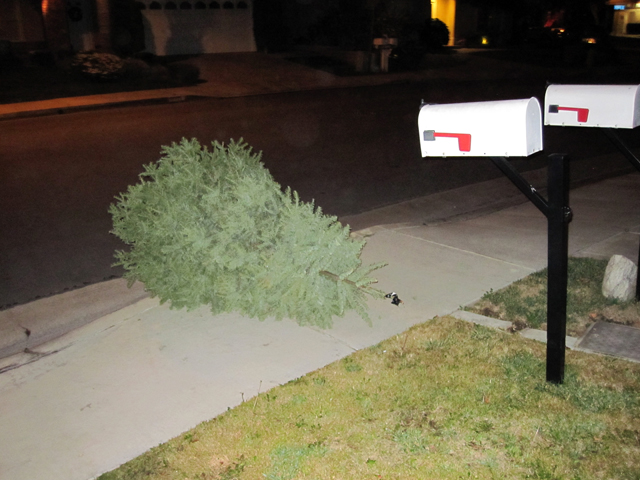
(212, 227)
(98, 66)
(438, 34)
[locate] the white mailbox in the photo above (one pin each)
(506, 128)
(612, 106)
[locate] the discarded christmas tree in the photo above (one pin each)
(212, 227)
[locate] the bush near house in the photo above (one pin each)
(97, 66)
(438, 34)
(106, 67)
(415, 40)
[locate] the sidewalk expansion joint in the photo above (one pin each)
(457, 249)
(334, 338)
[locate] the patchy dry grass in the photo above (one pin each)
(525, 302)
(444, 400)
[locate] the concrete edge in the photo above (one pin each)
(530, 333)
(572, 343)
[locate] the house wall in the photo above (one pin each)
(466, 23)
(191, 29)
(56, 25)
(20, 22)
(445, 10)
(626, 23)
(102, 35)
(81, 17)
(167, 31)
(477, 23)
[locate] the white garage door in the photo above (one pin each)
(178, 27)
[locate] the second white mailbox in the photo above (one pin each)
(505, 128)
(612, 106)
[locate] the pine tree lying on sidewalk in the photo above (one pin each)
(212, 227)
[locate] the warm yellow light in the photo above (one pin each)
(485, 40)
(45, 6)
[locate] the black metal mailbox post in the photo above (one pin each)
(558, 214)
(499, 130)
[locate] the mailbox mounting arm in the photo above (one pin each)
(528, 190)
(624, 149)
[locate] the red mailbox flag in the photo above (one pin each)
(464, 139)
(583, 113)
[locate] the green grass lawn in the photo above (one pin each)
(445, 400)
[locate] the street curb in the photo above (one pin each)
(99, 106)
(27, 326)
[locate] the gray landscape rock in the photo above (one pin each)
(620, 278)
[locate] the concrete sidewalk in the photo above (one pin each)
(112, 389)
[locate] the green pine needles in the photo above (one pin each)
(212, 227)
